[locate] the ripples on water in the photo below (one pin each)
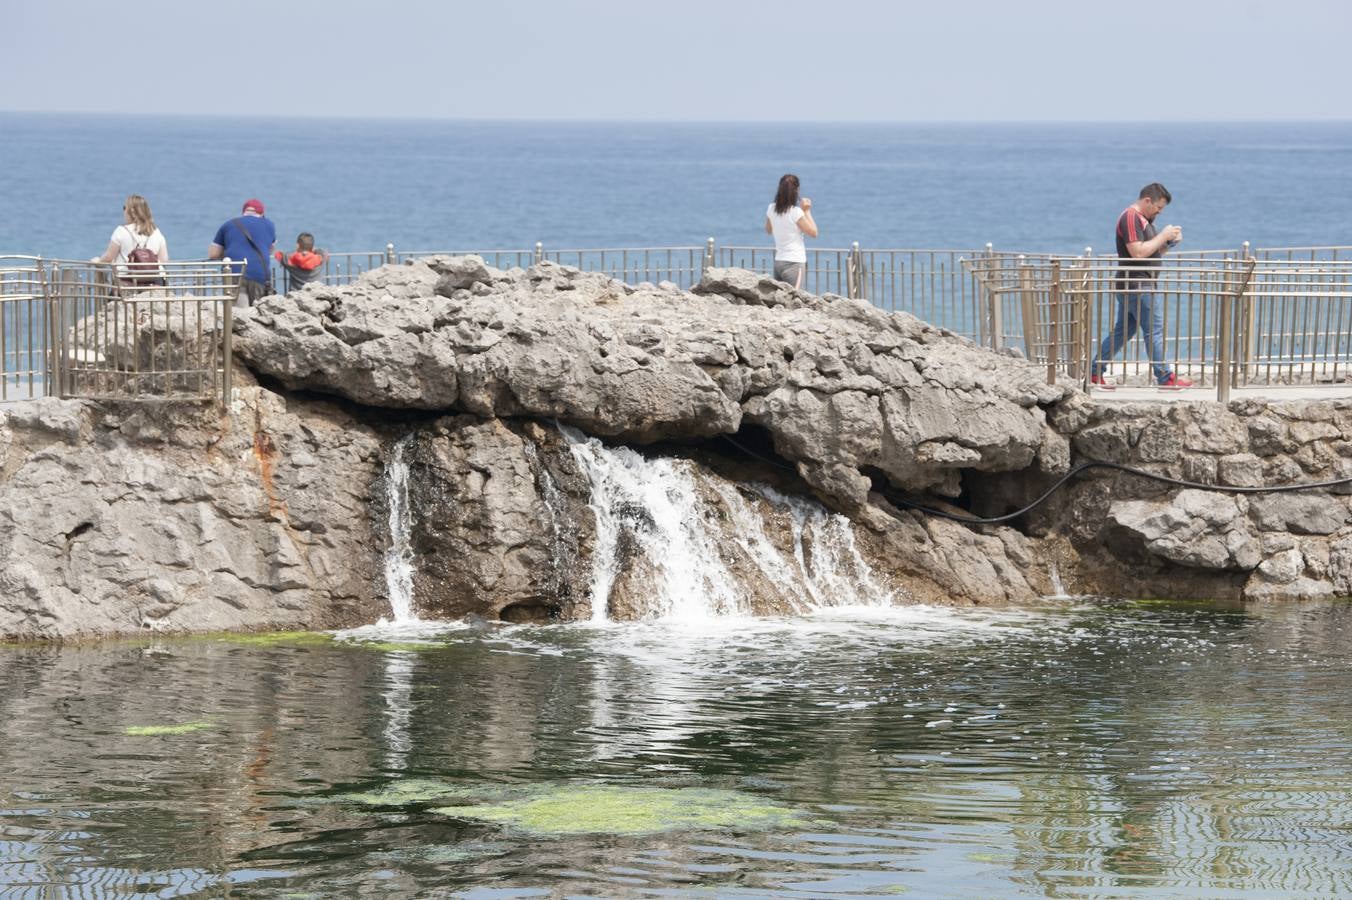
(1076, 750)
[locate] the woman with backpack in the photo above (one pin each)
(137, 247)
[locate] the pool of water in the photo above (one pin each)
(1080, 749)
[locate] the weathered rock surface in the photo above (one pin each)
(1260, 546)
(501, 526)
(843, 389)
(273, 513)
(1195, 528)
(176, 517)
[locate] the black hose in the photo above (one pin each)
(1083, 467)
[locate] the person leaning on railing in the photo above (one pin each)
(249, 238)
(788, 220)
(1140, 247)
(137, 246)
(305, 265)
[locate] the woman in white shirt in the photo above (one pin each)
(138, 231)
(788, 220)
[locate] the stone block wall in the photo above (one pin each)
(1256, 545)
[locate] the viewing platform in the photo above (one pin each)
(1250, 322)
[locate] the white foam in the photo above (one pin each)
(399, 567)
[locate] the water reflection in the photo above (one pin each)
(1078, 749)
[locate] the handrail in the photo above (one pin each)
(1293, 323)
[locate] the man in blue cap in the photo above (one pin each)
(250, 239)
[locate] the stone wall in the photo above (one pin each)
(1138, 537)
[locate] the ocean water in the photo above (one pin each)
(1075, 750)
(425, 185)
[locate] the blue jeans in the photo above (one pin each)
(1136, 310)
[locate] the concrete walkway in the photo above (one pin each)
(1145, 394)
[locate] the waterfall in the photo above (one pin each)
(399, 557)
(695, 546)
(652, 505)
(1058, 589)
(827, 570)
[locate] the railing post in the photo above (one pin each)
(997, 305)
(1084, 319)
(60, 303)
(52, 377)
(1225, 377)
(390, 256)
(708, 256)
(993, 298)
(539, 252)
(1248, 319)
(1054, 331)
(227, 336)
(1029, 309)
(1226, 336)
(855, 284)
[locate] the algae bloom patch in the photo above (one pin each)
(280, 638)
(158, 730)
(411, 791)
(612, 809)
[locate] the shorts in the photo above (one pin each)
(250, 292)
(790, 273)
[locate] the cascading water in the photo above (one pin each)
(706, 550)
(1058, 589)
(654, 504)
(399, 557)
(827, 568)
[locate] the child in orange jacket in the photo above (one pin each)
(305, 265)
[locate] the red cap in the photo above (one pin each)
(253, 205)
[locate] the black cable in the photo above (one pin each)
(1083, 467)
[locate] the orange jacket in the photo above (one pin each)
(302, 259)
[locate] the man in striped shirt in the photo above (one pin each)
(1140, 247)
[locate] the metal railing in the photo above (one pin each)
(24, 328)
(1223, 321)
(82, 329)
(1289, 320)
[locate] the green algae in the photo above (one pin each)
(323, 639)
(612, 809)
(394, 646)
(279, 639)
(994, 858)
(441, 855)
(1184, 604)
(158, 730)
(412, 791)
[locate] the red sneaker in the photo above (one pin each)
(1174, 383)
(1102, 383)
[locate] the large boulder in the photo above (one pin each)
(845, 391)
(131, 518)
(1194, 528)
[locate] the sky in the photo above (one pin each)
(692, 60)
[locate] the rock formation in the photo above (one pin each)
(842, 388)
(745, 398)
(125, 518)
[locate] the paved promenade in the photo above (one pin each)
(1145, 394)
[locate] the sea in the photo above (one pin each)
(359, 184)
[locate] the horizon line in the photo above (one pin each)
(478, 120)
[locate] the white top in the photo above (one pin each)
(789, 246)
(128, 239)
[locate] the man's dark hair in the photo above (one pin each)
(306, 241)
(1157, 192)
(787, 195)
